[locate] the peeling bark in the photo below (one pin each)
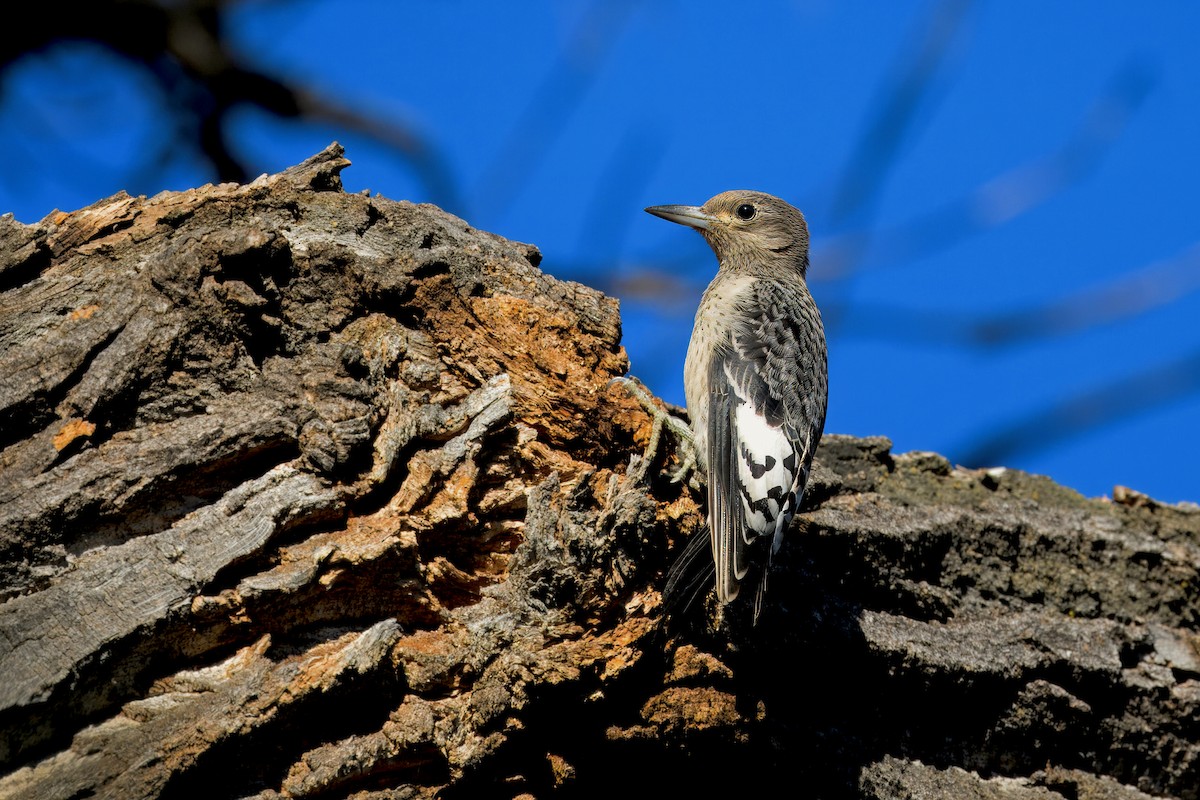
(308, 494)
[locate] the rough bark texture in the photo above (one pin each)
(309, 494)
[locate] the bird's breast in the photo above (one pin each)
(715, 319)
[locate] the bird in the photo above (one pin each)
(756, 385)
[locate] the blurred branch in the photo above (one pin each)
(669, 294)
(1130, 295)
(668, 282)
(606, 221)
(1118, 401)
(1005, 197)
(551, 105)
(182, 46)
(875, 153)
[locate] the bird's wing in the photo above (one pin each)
(765, 418)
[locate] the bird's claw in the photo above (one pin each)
(685, 447)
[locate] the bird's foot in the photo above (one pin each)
(685, 443)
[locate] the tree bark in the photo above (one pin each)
(309, 494)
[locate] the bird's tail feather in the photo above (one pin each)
(690, 575)
(762, 591)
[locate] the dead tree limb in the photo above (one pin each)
(308, 494)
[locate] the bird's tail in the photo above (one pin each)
(690, 576)
(762, 591)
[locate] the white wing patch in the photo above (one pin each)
(766, 472)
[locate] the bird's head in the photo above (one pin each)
(747, 230)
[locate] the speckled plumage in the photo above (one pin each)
(756, 379)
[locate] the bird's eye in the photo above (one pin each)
(746, 211)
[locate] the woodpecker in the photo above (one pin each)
(756, 383)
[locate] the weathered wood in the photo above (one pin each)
(312, 494)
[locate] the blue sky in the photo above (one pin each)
(1047, 163)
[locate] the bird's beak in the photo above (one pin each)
(692, 216)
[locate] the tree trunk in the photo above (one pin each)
(308, 494)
